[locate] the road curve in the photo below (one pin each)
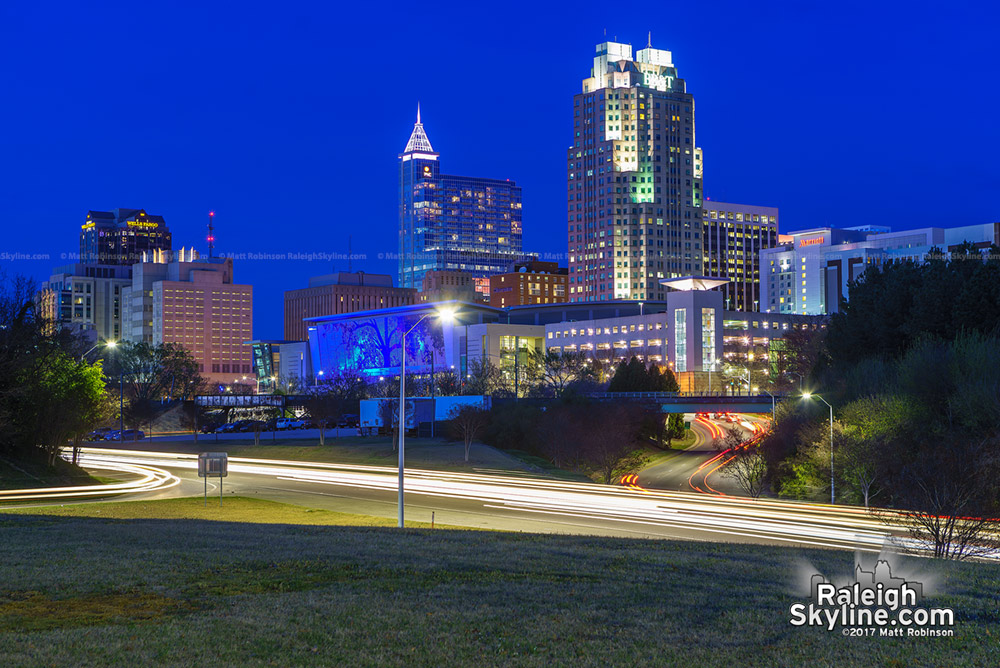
(146, 479)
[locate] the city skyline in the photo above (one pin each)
(775, 133)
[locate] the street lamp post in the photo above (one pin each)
(792, 373)
(772, 404)
(445, 316)
(807, 395)
(121, 392)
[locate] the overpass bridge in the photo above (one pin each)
(701, 402)
(668, 402)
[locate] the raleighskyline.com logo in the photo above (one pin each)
(875, 604)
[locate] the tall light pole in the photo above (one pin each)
(445, 316)
(772, 404)
(807, 395)
(792, 373)
(121, 391)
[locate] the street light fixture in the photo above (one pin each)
(809, 395)
(445, 315)
(772, 403)
(106, 344)
(121, 384)
(793, 373)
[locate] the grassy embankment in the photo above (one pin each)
(89, 591)
(33, 473)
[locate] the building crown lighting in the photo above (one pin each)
(419, 143)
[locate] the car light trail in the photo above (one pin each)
(607, 507)
(722, 516)
(150, 479)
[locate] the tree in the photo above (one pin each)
(608, 440)
(675, 428)
(388, 412)
(192, 417)
(155, 372)
(325, 407)
(447, 383)
(468, 424)
(483, 378)
(64, 399)
(746, 465)
(635, 376)
(948, 497)
(859, 463)
(864, 435)
(553, 373)
(661, 427)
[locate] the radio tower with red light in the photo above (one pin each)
(211, 233)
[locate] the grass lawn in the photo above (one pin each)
(107, 592)
(655, 455)
(31, 474)
(233, 509)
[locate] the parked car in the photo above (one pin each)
(210, 427)
(348, 420)
(227, 428)
(281, 424)
(127, 435)
(250, 425)
(100, 434)
(308, 423)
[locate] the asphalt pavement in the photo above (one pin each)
(520, 503)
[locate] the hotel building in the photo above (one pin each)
(809, 273)
(634, 178)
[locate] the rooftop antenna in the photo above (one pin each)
(211, 233)
(418, 112)
(649, 40)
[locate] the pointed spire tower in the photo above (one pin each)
(419, 143)
(418, 167)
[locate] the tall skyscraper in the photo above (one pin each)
(735, 235)
(447, 222)
(634, 175)
(122, 236)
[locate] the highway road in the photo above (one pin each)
(698, 468)
(517, 502)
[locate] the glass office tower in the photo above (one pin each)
(446, 222)
(634, 178)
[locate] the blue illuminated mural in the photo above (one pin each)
(367, 343)
(371, 345)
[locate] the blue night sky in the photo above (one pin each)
(286, 120)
